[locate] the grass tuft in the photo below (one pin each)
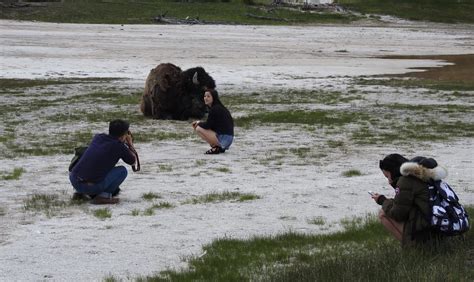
(149, 211)
(351, 173)
(319, 220)
(103, 213)
(163, 205)
(150, 196)
(135, 212)
(223, 169)
(50, 204)
(224, 196)
(14, 175)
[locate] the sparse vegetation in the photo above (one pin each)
(9, 84)
(335, 143)
(163, 205)
(424, 10)
(129, 12)
(223, 169)
(362, 251)
(316, 117)
(149, 211)
(135, 212)
(150, 196)
(103, 213)
(14, 175)
(223, 196)
(351, 173)
(165, 168)
(200, 162)
(318, 220)
(49, 204)
(419, 83)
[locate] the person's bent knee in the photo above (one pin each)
(121, 171)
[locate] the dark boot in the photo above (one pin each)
(116, 192)
(98, 200)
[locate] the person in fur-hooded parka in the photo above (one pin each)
(406, 215)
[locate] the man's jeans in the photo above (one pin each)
(105, 188)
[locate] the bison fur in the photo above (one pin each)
(171, 93)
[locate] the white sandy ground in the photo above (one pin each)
(78, 246)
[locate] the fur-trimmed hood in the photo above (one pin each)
(423, 173)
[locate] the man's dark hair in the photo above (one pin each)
(392, 164)
(118, 127)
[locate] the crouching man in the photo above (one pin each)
(95, 174)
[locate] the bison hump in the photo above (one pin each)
(164, 76)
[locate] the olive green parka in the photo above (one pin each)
(411, 202)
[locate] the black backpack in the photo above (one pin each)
(78, 152)
(448, 216)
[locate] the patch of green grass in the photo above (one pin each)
(200, 162)
(363, 251)
(223, 169)
(420, 83)
(111, 278)
(103, 213)
(165, 168)
(223, 196)
(111, 97)
(50, 204)
(98, 115)
(286, 97)
(163, 205)
(130, 12)
(149, 211)
(150, 196)
(39, 144)
(14, 175)
(7, 83)
(135, 212)
(316, 117)
(318, 220)
(335, 143)
(427, 130)
(351, 173)
(301, 152)
(446, 11)
(142, 137)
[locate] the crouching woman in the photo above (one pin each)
(407, 215)
(218, 130)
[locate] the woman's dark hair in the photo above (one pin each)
(118, 127)
(215, 98)
(392, 164)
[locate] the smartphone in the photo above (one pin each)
(371, 193)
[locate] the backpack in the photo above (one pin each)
(78, 152)
(448, 216)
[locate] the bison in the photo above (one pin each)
(174, 94)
